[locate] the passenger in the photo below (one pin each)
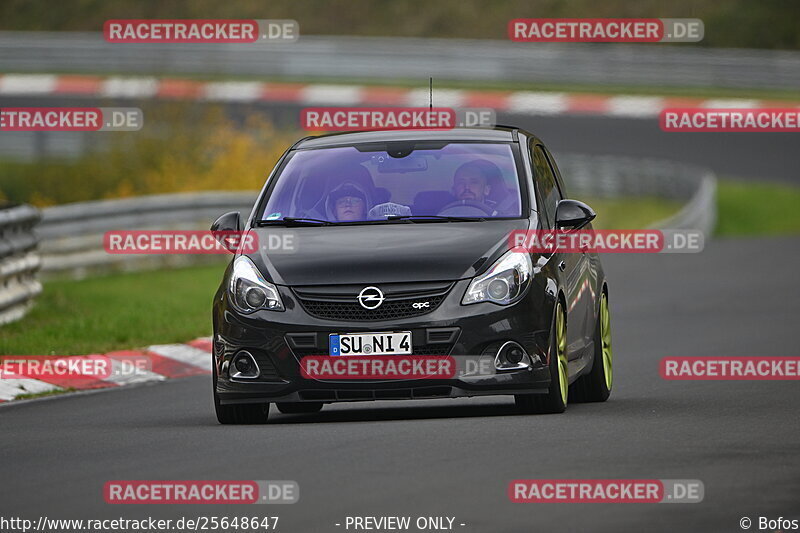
(348, 202)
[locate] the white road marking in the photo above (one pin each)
(635, 106)
(28, 83)
(731, 103)
(331, 94)
(537, 103)
(233, 91)
(123, 374)
(185, 354)
(11, 388)
(116, 87)
(441, 98)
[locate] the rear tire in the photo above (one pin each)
(596, 385)
(294, 408)
(555, 401)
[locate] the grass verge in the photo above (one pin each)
(751, 208)
(35, 395)
(116, 312)
(630, 213)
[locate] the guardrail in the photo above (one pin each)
(72, 234)
(382, 58)
(19, 261)
(615, 176)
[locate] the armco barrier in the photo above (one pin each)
(19, 261)
(614, 177)
(72, 234)
(410, 58)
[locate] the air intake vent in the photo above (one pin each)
(402, 300)
(442, 335)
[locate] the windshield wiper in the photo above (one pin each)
(435, 217)
(297, 221)
(307, 221)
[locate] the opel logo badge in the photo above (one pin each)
(370, 297)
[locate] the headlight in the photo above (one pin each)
(504, 283)
(249, 290)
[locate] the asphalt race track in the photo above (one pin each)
(756, 156)
(456, 457)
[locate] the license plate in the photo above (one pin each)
(395, 343)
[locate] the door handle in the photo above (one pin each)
(562, 265)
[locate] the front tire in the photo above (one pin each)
(555, 401)
(596, 385)
(249, 413)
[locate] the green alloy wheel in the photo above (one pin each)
(555, 401)
(596, 385)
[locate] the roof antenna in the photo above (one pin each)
(431, 93)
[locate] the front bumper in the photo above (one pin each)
(279, 340)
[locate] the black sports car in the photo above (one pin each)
(398, 246)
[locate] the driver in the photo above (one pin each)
(471, 181)
(348, 202)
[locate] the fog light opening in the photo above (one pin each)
(244, 366)
(512, 356)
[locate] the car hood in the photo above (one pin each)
(381, 253)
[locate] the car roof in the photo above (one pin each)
(493, 134)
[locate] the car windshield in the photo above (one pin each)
(430, 182)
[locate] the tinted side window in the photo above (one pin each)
(556, 172)
(546, 182)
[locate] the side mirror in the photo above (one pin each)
(227, 230)
(572, 214)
